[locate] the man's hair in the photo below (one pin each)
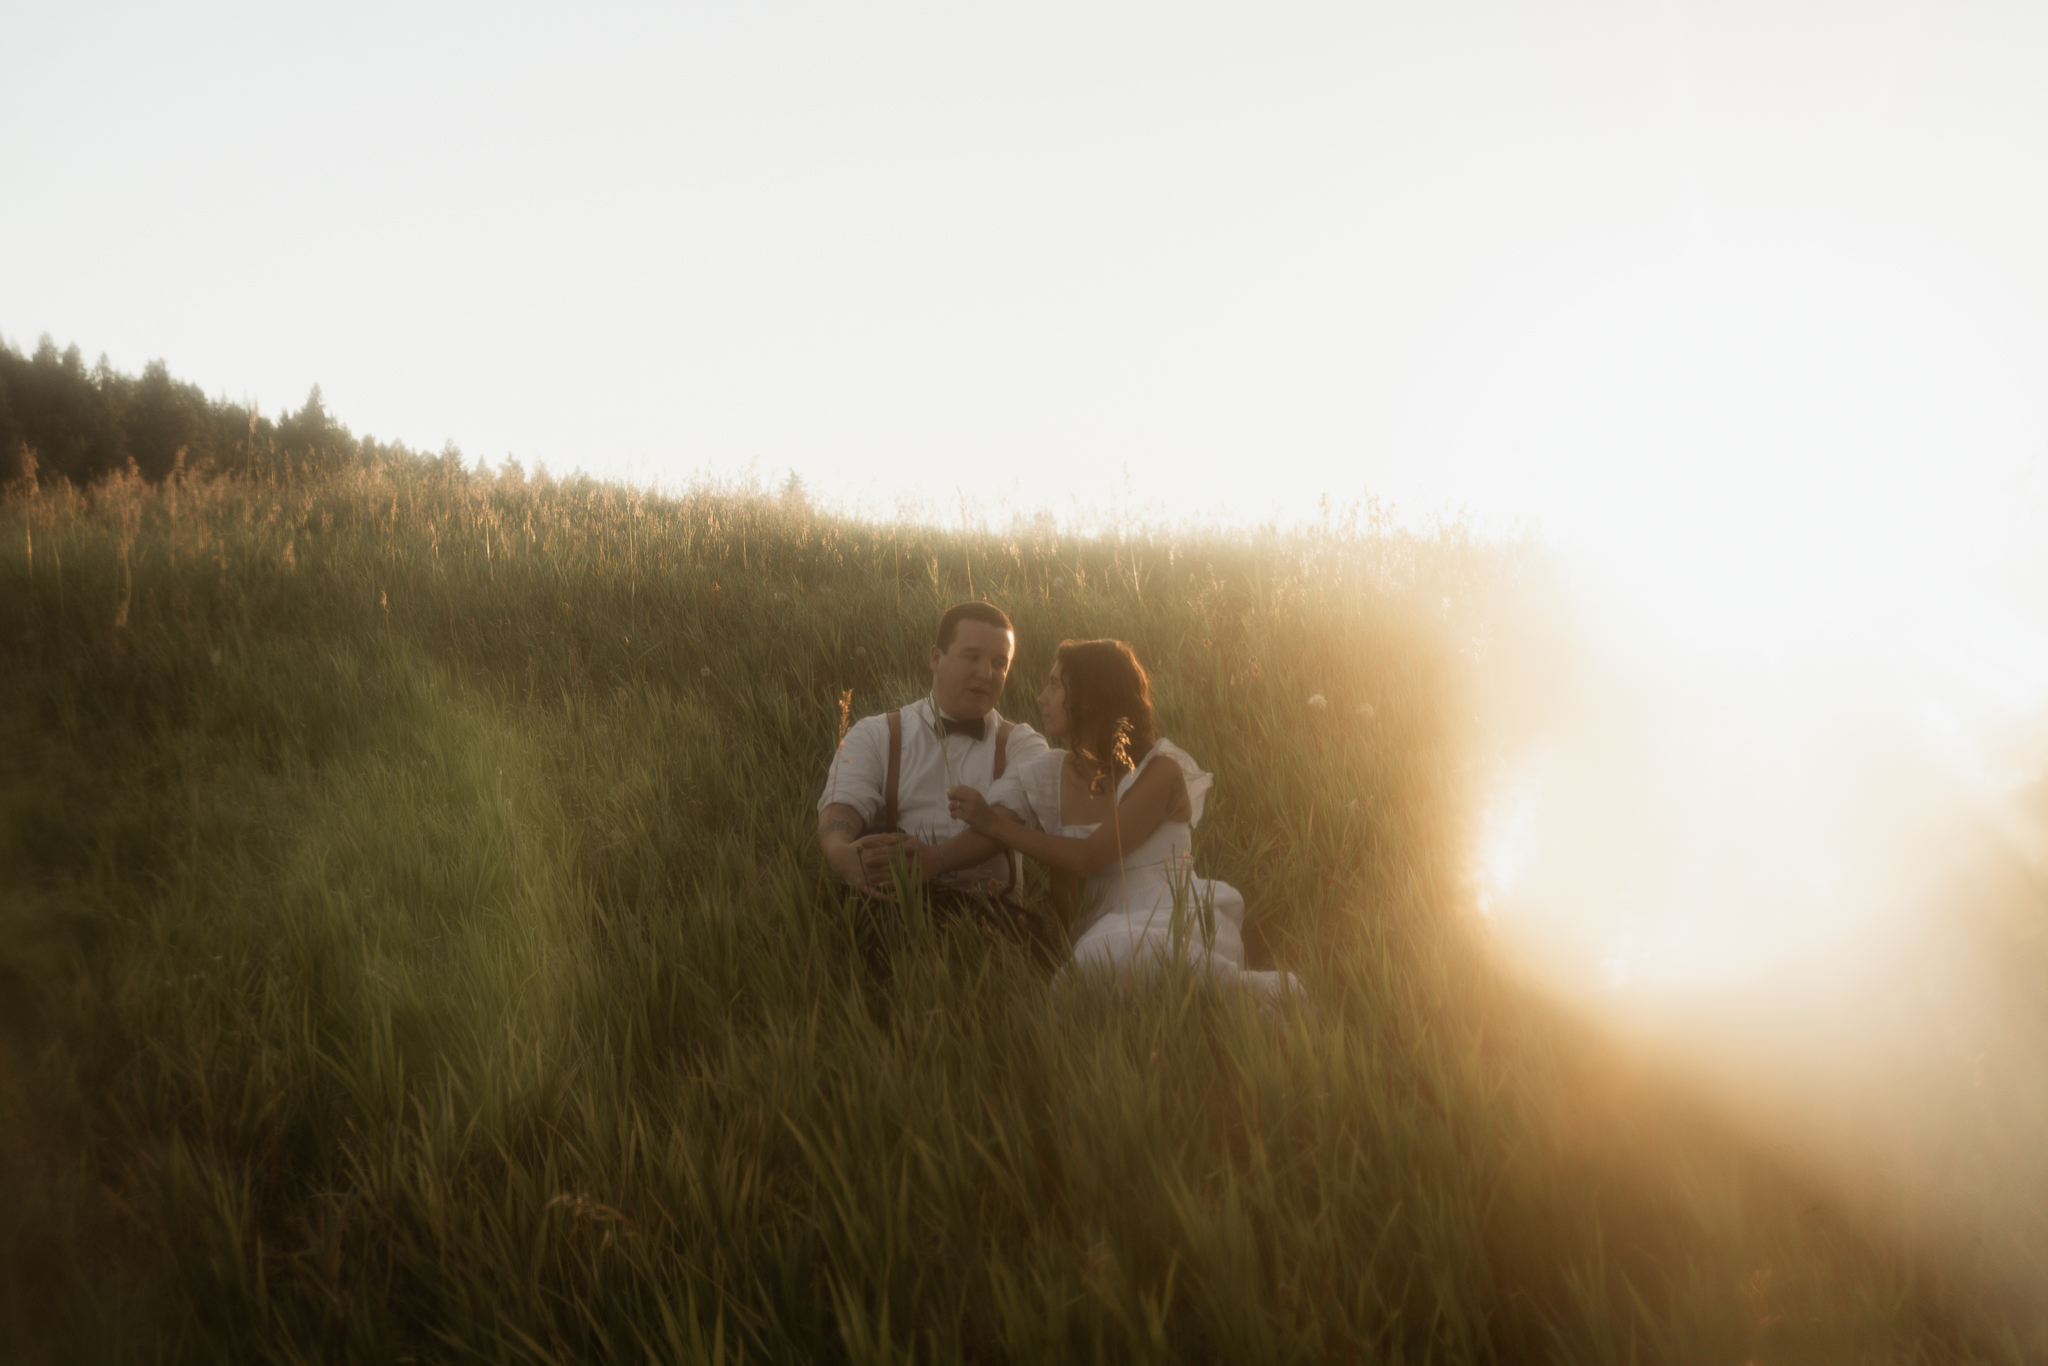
(949, 624)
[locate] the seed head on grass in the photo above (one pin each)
(1119, 760)
(1116, 762)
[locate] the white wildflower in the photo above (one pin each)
(1318, 702)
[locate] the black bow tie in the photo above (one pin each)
(973, 730)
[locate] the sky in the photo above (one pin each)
(1593, 263)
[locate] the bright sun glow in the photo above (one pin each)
(1695, 822)
(1780, 454)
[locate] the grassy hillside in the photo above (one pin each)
(412, 950)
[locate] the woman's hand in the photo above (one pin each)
(968, 806)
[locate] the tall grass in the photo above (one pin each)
(413, 950)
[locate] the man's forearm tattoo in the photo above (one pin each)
(841, 825)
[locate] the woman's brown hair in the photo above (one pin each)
(1105, 685)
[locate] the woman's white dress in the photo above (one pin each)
(1149, 908)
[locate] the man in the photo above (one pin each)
(884, 803)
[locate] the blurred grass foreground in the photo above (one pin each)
(413, 950)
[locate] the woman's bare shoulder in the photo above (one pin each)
(1160, 771)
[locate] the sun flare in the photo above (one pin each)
(1706, 818)
(1785, 455)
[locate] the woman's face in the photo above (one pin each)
(1052, 706)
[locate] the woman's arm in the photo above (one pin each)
(1160, 789)
(964, 850)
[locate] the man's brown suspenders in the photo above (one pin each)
(1011, 859)
(896, 766)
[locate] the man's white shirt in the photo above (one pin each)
(927, 767)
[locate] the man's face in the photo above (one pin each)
(967, 676)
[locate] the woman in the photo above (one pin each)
(1115, 810)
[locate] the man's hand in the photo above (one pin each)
(845, 849)
(878, 856)
(881, 853)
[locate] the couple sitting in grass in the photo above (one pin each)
(948, 792)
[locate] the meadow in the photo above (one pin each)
(413, 949)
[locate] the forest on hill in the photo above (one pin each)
(84, 424)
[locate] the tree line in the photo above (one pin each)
(63, 420)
